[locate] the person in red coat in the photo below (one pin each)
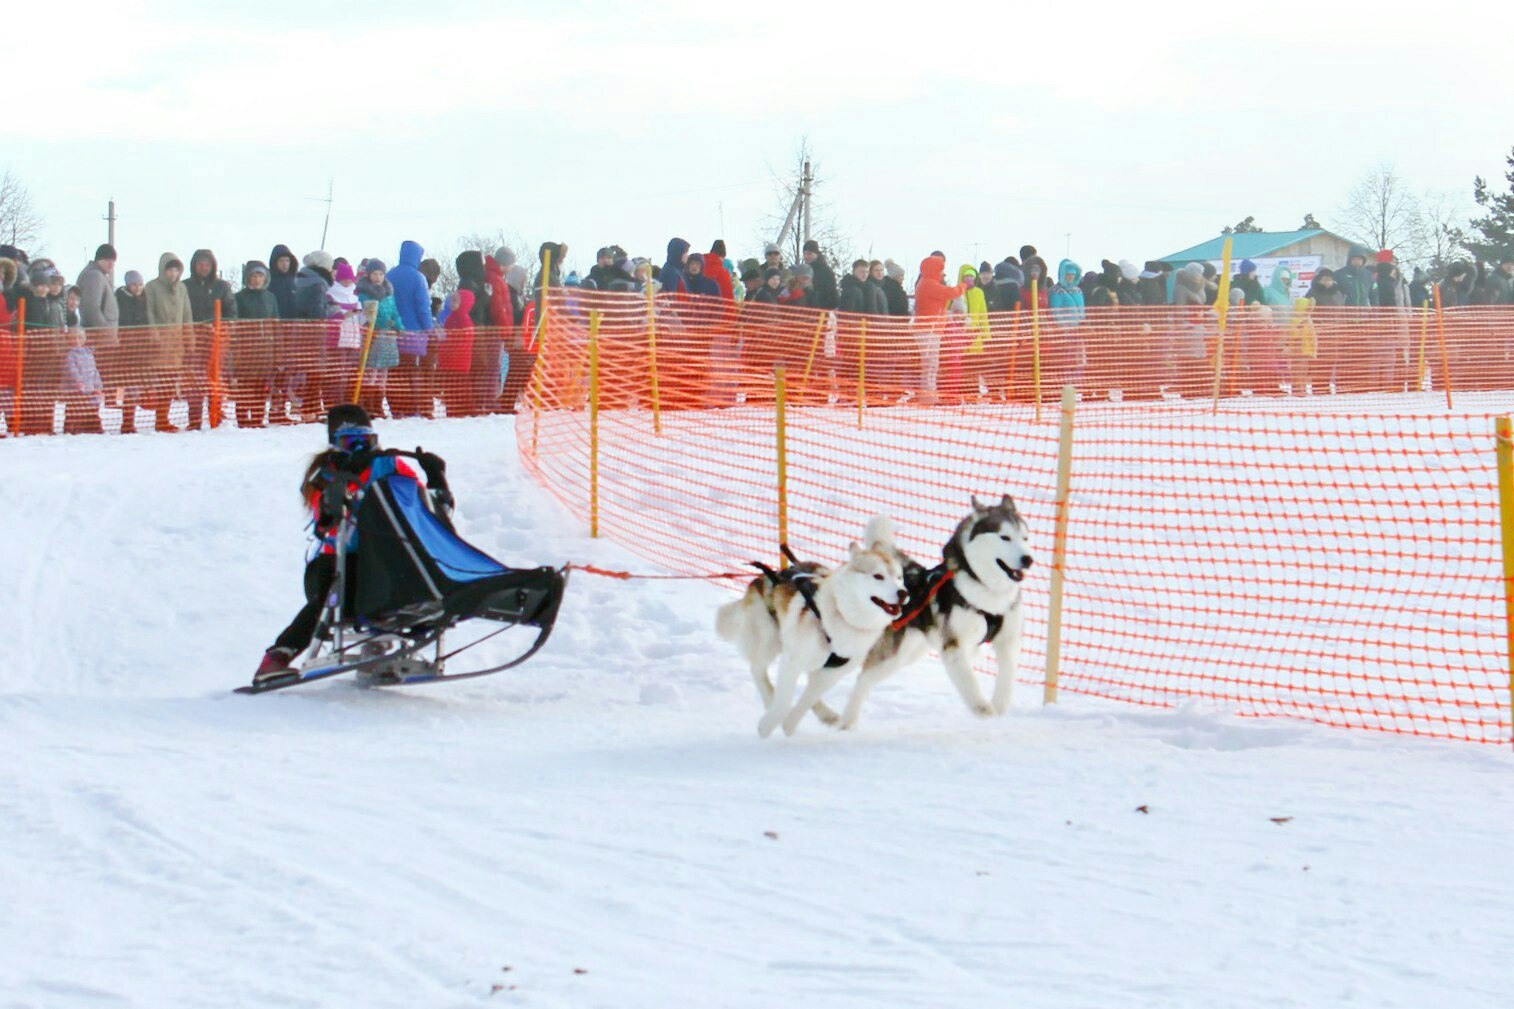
(455, 359)
(932, 295)
(714, 268)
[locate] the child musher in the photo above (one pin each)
(349, 434)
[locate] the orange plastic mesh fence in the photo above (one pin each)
(1331, 555)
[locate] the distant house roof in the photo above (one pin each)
(1248, 245)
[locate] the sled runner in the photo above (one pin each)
(415, 581)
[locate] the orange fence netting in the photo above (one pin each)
(1321, 540)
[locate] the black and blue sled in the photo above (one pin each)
(414, 582)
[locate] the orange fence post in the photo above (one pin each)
(1445, 357)
(780, 388)
(362, 366)
(652, 358)
(594, 423)
(1035, 340)
(1222, 310)
(215, 368)
(1504, 430)
(541, 349)
(20, 364)
(861, 373)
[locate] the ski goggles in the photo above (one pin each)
(355, 439)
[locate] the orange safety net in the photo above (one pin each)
(1323, 545)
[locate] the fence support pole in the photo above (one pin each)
(1035, 339)
(1059, 549)
(814, 346)
(861, 373)
(594, 423)
(541, 349)
(652, 359)
(780, 388)
(1424, 338)
(1505, 433)
(19, 411)
(215, 368)
(1445, 357)
(362, 366)
(1222, 310)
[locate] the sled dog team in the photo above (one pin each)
(880, 611)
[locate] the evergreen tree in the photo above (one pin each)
(1494, 233)
(1310, 224)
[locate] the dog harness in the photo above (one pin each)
(937, 582)
(803, 583)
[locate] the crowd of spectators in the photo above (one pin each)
(143, 344)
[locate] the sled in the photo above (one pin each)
(415, 581)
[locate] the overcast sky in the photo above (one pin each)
(974, 128)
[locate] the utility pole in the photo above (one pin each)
(807, 189)
(327, 201)
(110, 228)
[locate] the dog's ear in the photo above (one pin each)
(854, 550)
(978, 505)
(1008, 504)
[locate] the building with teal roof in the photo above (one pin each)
(1269, 245)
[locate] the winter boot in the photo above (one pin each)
(274, 665)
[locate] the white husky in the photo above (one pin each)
(817, 622)
(973, 600)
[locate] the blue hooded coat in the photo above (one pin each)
(1066, 299)
(671, 276)
(412, 297)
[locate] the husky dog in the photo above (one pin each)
(976, 601)
(817, 622)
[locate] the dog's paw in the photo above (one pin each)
(1001, 707)
(767, 725)
(984, 710)
(847, 724)
(826, 715)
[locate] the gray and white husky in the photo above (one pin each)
(976, 602)
(818, 623)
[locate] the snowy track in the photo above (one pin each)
(607, 807)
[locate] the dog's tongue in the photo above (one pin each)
(892, 609)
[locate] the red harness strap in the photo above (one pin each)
(904, 621)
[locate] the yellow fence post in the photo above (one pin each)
(780, 384)
(1445, 357)
(814, 346)
(594, 423)
(861, 373)
(1424, 338)
(541, 349)
(652, 358)
(1222, 309)
(362, 366)
(1035, 340)
(1059, 548)
(1505, 432)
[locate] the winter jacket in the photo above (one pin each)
(853, 295)
(344, 308)
(168, 313)
(255, 347)
(714, 268)
(1457, 289)
(384, 353)
(282, 284)
(931, 293)
(412, 299)
(1391, 290)
(1356, 281)
(976, 299)
(456, 354)
(1248, 285)
(700, 283)
(766, 295)
(97, 305)
(897, 297)
(1066, 299)
(1004, 295)
(671, 275)
(1326, 297)
(259, 304)
(80, 373)
(310, 286)
(1279, 293)
(132, 311)
(823, 290)
(1189, 290)
(205, 291)
(502, 309)
(604, 276)
(1500, 288)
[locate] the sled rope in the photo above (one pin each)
(628, 575)
(936, 585)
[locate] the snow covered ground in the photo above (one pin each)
(602, 826)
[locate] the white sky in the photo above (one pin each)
(1136, 129)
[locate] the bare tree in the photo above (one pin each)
(812, 215)
(485, 242)
(20, 223)
(1381, 210)
(1442, 230)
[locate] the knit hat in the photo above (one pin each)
(515, 277)
(374, 264)
(893, 269)
(1247, 267)
(505, 257)
(750, 274)
(133, 277)
(770, 248)
(1026, 251)
(345, 272)
(1129, 270)
(812, 246)
(1197, 269)
(718, 247)
(320, 259)
(1386, 256)
(803, 270)
(604, 253)
(106, 251)
(1009, 273)
(770, 273)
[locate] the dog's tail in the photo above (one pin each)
(880, 534)
(729, 619)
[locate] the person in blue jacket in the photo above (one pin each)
(672, 275)
(1069, 351)
(410, 385)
